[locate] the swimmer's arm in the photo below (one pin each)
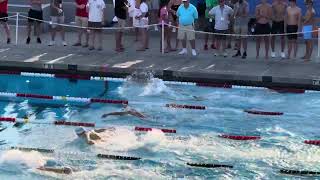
(115, 114)
(137, 114)
(55, 170)
(88, 139)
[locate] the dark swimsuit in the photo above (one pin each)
(175, 8)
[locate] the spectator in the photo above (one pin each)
(82, 21)
(173, 8)
(293, 19)
(241, 26)
(57, 17)
(142, 17)
(95, 9)
(187, 14)
(131, 10)
(222, 14)
(120, 12)
(3, 18)
(154, 10)
(209, 27)
(279, 11)
(35, 17)
(308, 23)
(164, 17)
(263, 16)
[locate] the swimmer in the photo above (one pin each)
(126, 111)
(62, 170)
(91, 135)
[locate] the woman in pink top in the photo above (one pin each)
(164, 17)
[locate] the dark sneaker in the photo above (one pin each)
(38, 40)
(237, 54)
(8, 41)
(28, 40)
(205, 47)
(244, 55)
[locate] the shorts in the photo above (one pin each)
(121, 24)
(34, 14)
(220, 32)
(209, 26)
(3, 17)
(141, 23)
(263, 29)
(186, 32)
(241, 30)
(292, 29)
(307, 32)
(277, 27)
(56, 20)
(94, 25)
(81, 21)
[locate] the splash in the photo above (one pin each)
(154, 138)
(155, 87)
(16, 158)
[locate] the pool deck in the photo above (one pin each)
(203, 68)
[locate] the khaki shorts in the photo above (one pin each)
(186, 32)
(121, 24)
(56, 20)
(242, 30)
(81, 21)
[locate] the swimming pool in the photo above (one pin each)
(164, 156)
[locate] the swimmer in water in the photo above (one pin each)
(126, 111)
(91, 136)
(62, 170)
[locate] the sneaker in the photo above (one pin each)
(244, 55)
(194, 52)
(64, 43)
(38, 40)
(28, 40)
(237, 54)
(216, 54)
(183, 51)
(273, 54)
(8, 41)
(205, 47)
(283, 55)
(51, 43)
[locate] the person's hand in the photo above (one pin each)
(82, 6)
(60, 10)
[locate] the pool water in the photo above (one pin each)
(164, 156)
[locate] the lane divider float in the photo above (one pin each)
(116, 157)
(217, 85)
(146, 129)
(33, 149)
(180, 106)
(312, 142)
(67, 123)
(266, 113)
(239, 138)
(209, 165)
(298, 172)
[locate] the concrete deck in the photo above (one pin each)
(203, 68)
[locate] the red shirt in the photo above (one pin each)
(4, 7)
(82, 12)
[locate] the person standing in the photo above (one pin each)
(173, 8)
(120, 11)
(209, 27)
(57, 17)
(164, 18)
(308, 23)
(279, 11)
(142, 17)
(187, 14)
(263, 16)
(35, 16)
(223, 15)
(293, 21)
(4, 19)
(241, 21)
(82, 21)
(95, 9)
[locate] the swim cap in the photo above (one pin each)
(80, 131)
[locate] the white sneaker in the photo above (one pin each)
(194, 52)
(173, 29)
(64, 43)
(51, 43)
(283, 55)
(183, 51)
(273, 54)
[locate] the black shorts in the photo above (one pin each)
(3, 17)
(221, 37)
(209, 26)
(292, 29)
(34, 14)
(263, 29)
(277, 27)
(94, 25)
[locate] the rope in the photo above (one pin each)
(8, 17)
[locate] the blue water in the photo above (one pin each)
(164, 156)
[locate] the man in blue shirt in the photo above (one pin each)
(187, 14)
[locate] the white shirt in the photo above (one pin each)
(144, 7)
(222, 17)
(95, 9)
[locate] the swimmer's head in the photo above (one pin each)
(67, 170)
(80, 131)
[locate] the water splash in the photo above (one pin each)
(16, 158)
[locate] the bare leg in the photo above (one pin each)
(29, 29)
(218, 45)
(258, 41)
(273, 42)
(266, 44)
(53, 33)
(283, 43)
(6, 29)
(193, 44)
(184, 43)
(290, 43)
(63, 37)
(244, 44)
(99, 34)
(37, 29)
(295, 48)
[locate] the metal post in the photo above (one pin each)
(17, 27)
(162, 37)
(318, 42)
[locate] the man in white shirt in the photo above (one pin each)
(222, 14)
(96, 21)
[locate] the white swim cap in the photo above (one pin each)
(80, 131)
